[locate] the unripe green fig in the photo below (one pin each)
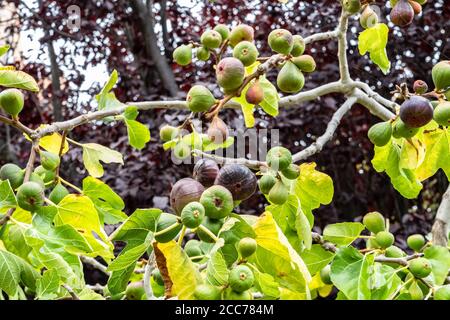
(279, 158)
(192, 249)
(281, 41)
(135, 290)
(351, 6)
(290, 79)
(230, 294)
(213, 225)
(217, 201)
(246, 52)
(384, 239)
(58, 193)
(442, 114)
(211, 39)
(183, 55)
(279, 193)
(374, 222)
(192, 215)
(416, 242)
(218, 131)
(255, 93)
(13, 173)
(230, 73)
(241, 32)
(420, 267)
(292, 172)
(202, 54)
(207, 292)
(441, 75)
(12, 101)
(380, 134)
(305, 63)
(447, 95)
(416, 112)
(34, 177)
(49, 160)
(325, 274)
(402, 14)
(185, 191)
(223, 30)
(372, 243)
(299, 45)
(165, 221)
(30, 196)
(181, 150)
(420, 87)
(241, 278)
(394, 252)
(156, 274)
(401, 130)
(369, 18)
(442, 293)
(200, 99)
(167, 133)
(266, 182)
(46, 175)
(247, 247)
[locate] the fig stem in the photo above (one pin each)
(208, 232)
(197, 257)
(169, 228)
(67, 183)
(181, 237)
(50, 202)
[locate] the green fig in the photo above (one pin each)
(223, 30)
(394, 252)
(34, 177)
(192, 215)
(247, 247)
(30, 196)
(384, 239)
(49, 160)
(230, 294)
(290, 79)
(279, 158)
(200, 99)
(420, 267)
(183, 55)
(241, 32)
(213, 225)
(192, 249)
(230, 73)
(165, 221)
(266, 183)
(12, 101)
(207, 292)
(279, 193)
(351, 6)
(217, 201)
(441, 75)
(167, 133)
(211, 39)
(442, 114)
(281, 41)
(374, 222)
(203, 54)
(13, 173)
(305, 63)
(401, 130)
(299, 45)
(292, 172)
(325, 274)
(241, 278)
(46, 175)
(135, 291)
(58, 193)
(416, 242)
(380, 134)
(246, 52)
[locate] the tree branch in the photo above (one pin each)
(373, 106)
(342, 47)
(441, 224)
(95, 264)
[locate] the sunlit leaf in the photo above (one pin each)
(94, 153)
(374, 41)
(18, 79)
(344, 233)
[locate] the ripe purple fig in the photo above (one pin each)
(205, 172)
(402, 14)
(255, 93)
(239, 179)
(420, 87)
(417, 7)
(183, 192)
(416, 112)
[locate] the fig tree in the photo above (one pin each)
(420, 87)
(279, 193)
(416, 242)
(305, 63)
(211, 39)
(420, 267)
(416, 112)
(206, 171)
(246, 52)
(266, 182)
(30, 196)
(182, 150)
(165, 221)
(290, 79)
(241, 32)
(58, 193)
(13, 173)
(441, 75)
(292, 172)
(402, 14)
(218, 202)
(192, 215)
(241, 278)
(442, 293)
(12, 101)
(223, 30)
(49, 160)
(213, 225)
(281, 41)
(135, 291)
(238, 179)
(279, 158)
(247, 247)
(374, 222)
(183, 55)
(325, 274)
(442, 114)
(230, 294)
(167, 133)
(384, 239)
(207, 292)
(202, 54)
(380, 133)
(192, 249)
(299, 45)
(401, 130)
(230, 73)
(183, 192)
(200, 99)
(255, 93)
(351, 6)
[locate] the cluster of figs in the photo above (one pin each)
(417, 111)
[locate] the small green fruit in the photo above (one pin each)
(325, 275)
(218, 202)
(38, 179)
(299, 45)
(290, 79)
(49, 160)
(211, 39)
(30, 196)
(292, 172)
(420, 87)
(266, 182)
(380, 133)
(394, 252)
(13, 173)
(167, 133)
(165, 221)
(247, 247)
(255, 93)
(207, 292)
(246, 52)
(305, 63)
(441, 75)
(372, 243)
(351, 6)
(420, 267)
(281, 41)
(385, 239)
(241, 278)
(279, 158)
(214, 225)
(279, 193)
(230, 294)
(401, 130)
(181, 150)
(192, 215)
(58, 193)
(203, 54)
(443, 293)
(183, 55)
(46, 175)
(192, 249)
(156, 274)
(135, 291)
(12, 101)
(416, 242)
(230, 73)
(223, 30)
(442, 114)
(200, 99)
(242, 32)
(369, 18)
(374, 222)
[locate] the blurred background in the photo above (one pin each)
(137, 37)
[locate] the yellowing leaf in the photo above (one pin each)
(374, 41)
(412, 154)
(51, 143)
(437, 145)
(94, 153)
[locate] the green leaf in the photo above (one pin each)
(374, 41)
(94, 153)
(7, 197)
(266, 284)
(271, 97)
(247, 109)
(118, 281)
(343, 234)
(439, 258)
(48, 285)
(437, 156)
(385, 281)
(4, 49)
(18, 79)
(107, 99)
(208, 145)
(130, 256)
(216, 270)
(138, 134)
(316, 258)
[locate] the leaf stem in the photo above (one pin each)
(208, 232)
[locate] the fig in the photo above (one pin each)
(305, 63)
(416, 242)
(246, 52)
(241, 32)
(401, 130)
(441, 75)
(37, 178)
(279, 158)
(167, 133)
(369, 18)
(192, 249)
(241, 278)
(420, 267)
(58, 193)
(325, 275)
(238, 179)
(207, 292)
(380, 134)
(165, 221)
(49, 160)
(156, 274)
(290, 79)
(218, 131)
(218, 202)
(183, 55)
(46, 175)
(402, 14)
(223, 30)
(442, 114)
(213, 225)
(442, 293)
(182, 150)
(417, 7)
(135, 291)
(247, 247)
(12, 101)
(200, 99)
(230, 73)
(292, 172)
(384, 239)
(298, 45)
(266, 182)
(372, 243)
(420, 87)
(281, 41)
(230, 294)
(183, 192)
(211, 39)
(13, 173)
(30, 196)
(394, 252)
(279, 193)
(206, 171)
(203, 54)
(351, 6)
(416, 112)
(255, 93)
(374, 222)
(192, 215)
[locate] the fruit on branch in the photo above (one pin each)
(420, 267)
(183, 192)
(401, 130)
(416, 112)
(49, 160)
(290, 79)
(207, 292)
(281, 41)
(394, 252)
(292, 172)
(416, 242)
(420, 87)
(182, 150)
(325, 274)
(384, 239)
(279, 193)
(442, 114)
(298, 45)
(266, 182)
(167, 132)
(279, 158)
(12, 101)
(217, 131)
(238, 179)
(246, 52)
(13, 173)
(372, 243)
(380, 133)
(255, 93)
(192, 249)
(157, 277)
(206, 171)
(223, 30)
(247, 247)
(183, 55)
(402, 14)
(192, 215)
(369, 18)
(46, 175)
(34, 177)
(211, 39)
(135, 290)
(351, 6)
(230, 73)
(200, 99)
(218, 202)
(374, 222)
(417, 7)
(442, 293)
(241, 32)
(305, 63)
(241, 278)
(213, 225)
(30, 196)
(230, 294)
(58, 193)
(441, 75)
(165, 221)
(202, 54)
